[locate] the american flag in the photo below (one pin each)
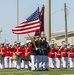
(38, 33)
(31, 24)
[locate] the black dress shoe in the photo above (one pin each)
(29, 68)
(46, 69)
(37, 70)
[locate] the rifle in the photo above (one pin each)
(32, 41)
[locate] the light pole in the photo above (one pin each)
(65, 14)
(48, 20)
(17, 17)
(0, 32)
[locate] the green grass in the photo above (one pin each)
(27, 72)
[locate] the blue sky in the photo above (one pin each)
(27, 7)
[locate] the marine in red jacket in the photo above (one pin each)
(51, 52)
(11, 51)
(8, 50)
(2, 49)
(14, 49)
(71, 53)
(51, 56)
(58, 53)
(18, 50)
(65, 51)
(26, 50)
(64, 55)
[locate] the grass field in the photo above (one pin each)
(27, 72)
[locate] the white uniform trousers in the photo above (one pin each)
(2, 63)
(71, 60)
(18, 64)
(51, 62)
(65, 62)
(22, 64)
(6, 61)
(10, 62)
(33, 60)
(14, 63)
(58, 62)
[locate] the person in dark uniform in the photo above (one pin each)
(44, 52)
(38, 52)
(33, 55)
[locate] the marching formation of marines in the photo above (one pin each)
(36, 55)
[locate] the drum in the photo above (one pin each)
(0, 56)
(26, 58)
(14, 57)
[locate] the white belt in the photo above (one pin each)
(71, 53)
(64, 52)
(58, 54)
(51, 53)
(27, 53)
(18, 52)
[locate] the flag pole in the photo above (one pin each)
(17, 17)
(43, 31)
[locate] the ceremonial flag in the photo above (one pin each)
(42, 19)
(41, 22)
(31, 24)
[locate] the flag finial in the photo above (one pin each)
(38, 5)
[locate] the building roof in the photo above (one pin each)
(62, 34)
(59, 34)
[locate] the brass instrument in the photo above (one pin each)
(0, 56)
(14, 57)
(53, 42)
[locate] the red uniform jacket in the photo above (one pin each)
(26, 51)
(71, 53)
(58, 53)
(51, 53)
(18, 50)
(12, 51)
(3, 50)
(64, 52)
(8, 50)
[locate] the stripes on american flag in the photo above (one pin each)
(31, 24)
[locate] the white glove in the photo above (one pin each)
(0, 53)
(36, 48)
(26, 54)
(17, 53)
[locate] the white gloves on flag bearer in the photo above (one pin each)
(36, 48)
